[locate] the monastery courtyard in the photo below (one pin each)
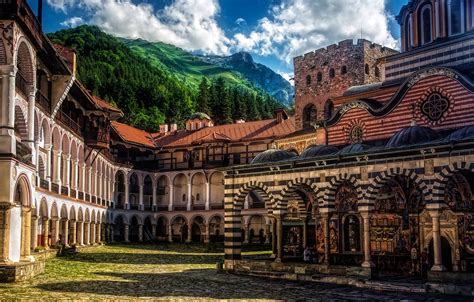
(172, 272)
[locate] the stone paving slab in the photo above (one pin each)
(176, 273)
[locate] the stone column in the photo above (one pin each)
(247, 233)
(87, 233)
(7, 110)
(190, 233)
(98, 228)
(140, 198)
(279, 230)
(58, 166)
(154, 198)
(111, 233)
(126, 233)
(327, 244)
(206, 233)
(127, 197)
(65, 232)
(80, 232)
(49, 151)
(55, 231)
(34, 232)
(92, 233)
(267, 233)
(25, 234)
(46, 232)
(31, 122)
(140, 232)
(153, 231)
(73, 232)
(274, 241)
(188, 207)
(83, 176)
(366, 226)
(75, 177)
(68, 174)
(208, 196)
(438, 263)
(171, 201)
(170, 233)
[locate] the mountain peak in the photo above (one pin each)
(242, 56)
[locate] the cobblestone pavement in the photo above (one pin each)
(172, 272)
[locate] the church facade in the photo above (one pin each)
(388, 178)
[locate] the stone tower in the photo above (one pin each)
(326, 73)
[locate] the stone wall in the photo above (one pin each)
(341, 66)
(21, 271)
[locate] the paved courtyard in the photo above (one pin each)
(170, 272)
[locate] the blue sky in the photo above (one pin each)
(273, 31)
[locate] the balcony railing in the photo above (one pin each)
(199, 207)
(162, 208)
(180, 208)
(55, 187)
(133, 207)
(88, 197)
(42, 101)
(64, 190)
(217, 206)
(80, 195)
(73, 193)
(99, 138)
(147, 208)
(43, 182)
(21, 83)
(69, 122)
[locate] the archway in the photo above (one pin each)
(216, 198)
(309, 115)
(216, 229)
(395, 227)
(446, 254)
(119, 229)
(162, 229)
(198, 191)
(134, 229)
(163, 193)
(25, 69)
(179, 229)
(197, 229)
(148, 230)
(133, 191)
(20, 221)
(147, 193)
(180, 185)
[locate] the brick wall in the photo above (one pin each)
(330, 63)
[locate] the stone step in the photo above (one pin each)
(396, 286)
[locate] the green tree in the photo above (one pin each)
(203, 99)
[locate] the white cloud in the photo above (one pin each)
(73, 22)
(61, 5)
(287, 76)
(241, 22)
(190, 24)
(298, 26)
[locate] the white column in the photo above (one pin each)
(83, 187)
(208, 195)
(127, 206)
(171, 201)
(58, 166)
(7, 110)
(438, 263)
(154, 197)
(170, 233)
(366, 227)
(49, 151)
(31, 122)
(140, 197)
(68, 173)
(188, 207)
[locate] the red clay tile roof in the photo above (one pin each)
(257, 130)
(105, 105)
(133, 135)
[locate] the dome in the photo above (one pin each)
(272, 155)
(463, 134)
(412, 135)
(199, 116)
(353, 149)
(318, 150)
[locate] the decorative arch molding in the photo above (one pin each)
(30, 62)
(27, 192)
(377, 109)
(439, 185)
(263, 190)
(175, 217)
(121, 216)
(336, 182)
(307, 185)
(380, 180)
(221, 217)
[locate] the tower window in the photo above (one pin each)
(332, 73)
(328, 109)
(367, 69)
(456, 16)
(320, 76)
(425, 25)
(408, 33)
(344, 69)
(308, 80)
(377, 72)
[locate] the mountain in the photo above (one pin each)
(237, 68)
(258, 74)
(153, 89)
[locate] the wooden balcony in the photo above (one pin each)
(43, 102)
(21, 83)
(67, 121)
(99, 139)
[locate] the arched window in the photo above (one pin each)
(425, 25)
(328, 109)
(332, 73)
(377, 72)
(320, 76)
(184, 197)
(309, 115)
(367, 69)
(308, 80)
(408, 33)
(344, 69)
(456, 17)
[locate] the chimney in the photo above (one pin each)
(173, 127)
(280, 115)
(163, 128)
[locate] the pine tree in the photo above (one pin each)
(204, 97)
(253, 114)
